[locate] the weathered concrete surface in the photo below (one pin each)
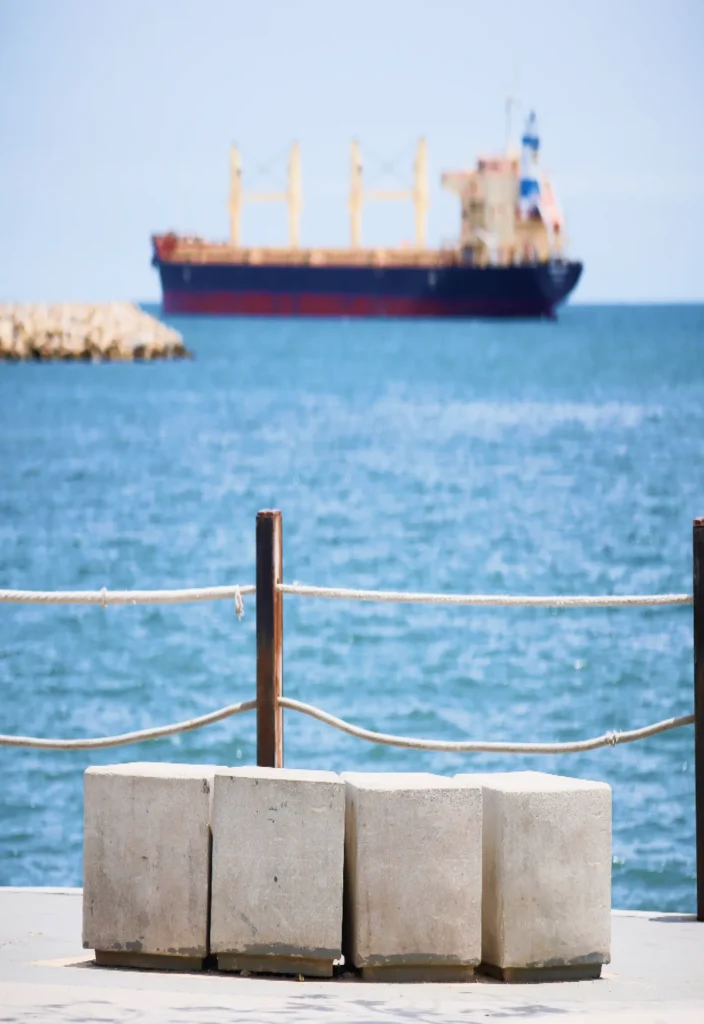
(655, 977)
(146, 862)
(413, 853)
(278, 847)
(546, 904)
(93, 332)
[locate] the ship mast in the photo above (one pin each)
(235, 201)
(419, 194)
(356, 196)
(292, 196)
(511, 103)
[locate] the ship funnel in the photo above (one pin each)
(529, 187)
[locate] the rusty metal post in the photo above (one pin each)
(698, 592)
(270, 636)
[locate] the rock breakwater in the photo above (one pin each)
(113, 332)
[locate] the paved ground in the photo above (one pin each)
(657, 975)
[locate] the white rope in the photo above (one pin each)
(609, 739)
(461, 746)
(128, 737)
(106, 597)
(486, 600)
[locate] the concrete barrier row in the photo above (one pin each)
(408, 876)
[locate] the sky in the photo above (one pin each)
(116, 120)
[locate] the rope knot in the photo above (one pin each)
(104, 597)
(612, 738)
(239, 603)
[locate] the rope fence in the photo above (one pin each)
(123, 740)
(609, 739)
(488, 600)
(270, 701)
(107, 597)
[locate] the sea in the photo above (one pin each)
(457, 457)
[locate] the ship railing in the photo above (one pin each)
(197, 252)
(270, 702)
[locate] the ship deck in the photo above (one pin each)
(655, 975)
(173, 249)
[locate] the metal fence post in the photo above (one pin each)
(270, 635)
(698, 592)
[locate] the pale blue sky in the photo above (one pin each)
(116, 118)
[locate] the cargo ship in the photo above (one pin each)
(508, 261)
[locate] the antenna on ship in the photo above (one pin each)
(511, 103)
(293, 196)
(419, 194)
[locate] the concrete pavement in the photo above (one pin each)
(656, 977)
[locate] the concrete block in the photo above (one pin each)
(278, 849)
(546, 908)
(146, 864)
(413, 863)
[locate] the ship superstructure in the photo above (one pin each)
(508, 211)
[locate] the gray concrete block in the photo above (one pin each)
(146, 864)
(546, 908)
(413, 862)
(278, 848)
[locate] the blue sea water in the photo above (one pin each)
(531, 458)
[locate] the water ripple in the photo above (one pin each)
(535, 458)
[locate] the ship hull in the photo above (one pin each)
(530, 290)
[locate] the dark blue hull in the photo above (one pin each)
(530, 290)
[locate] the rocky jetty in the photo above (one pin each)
(118, 332)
